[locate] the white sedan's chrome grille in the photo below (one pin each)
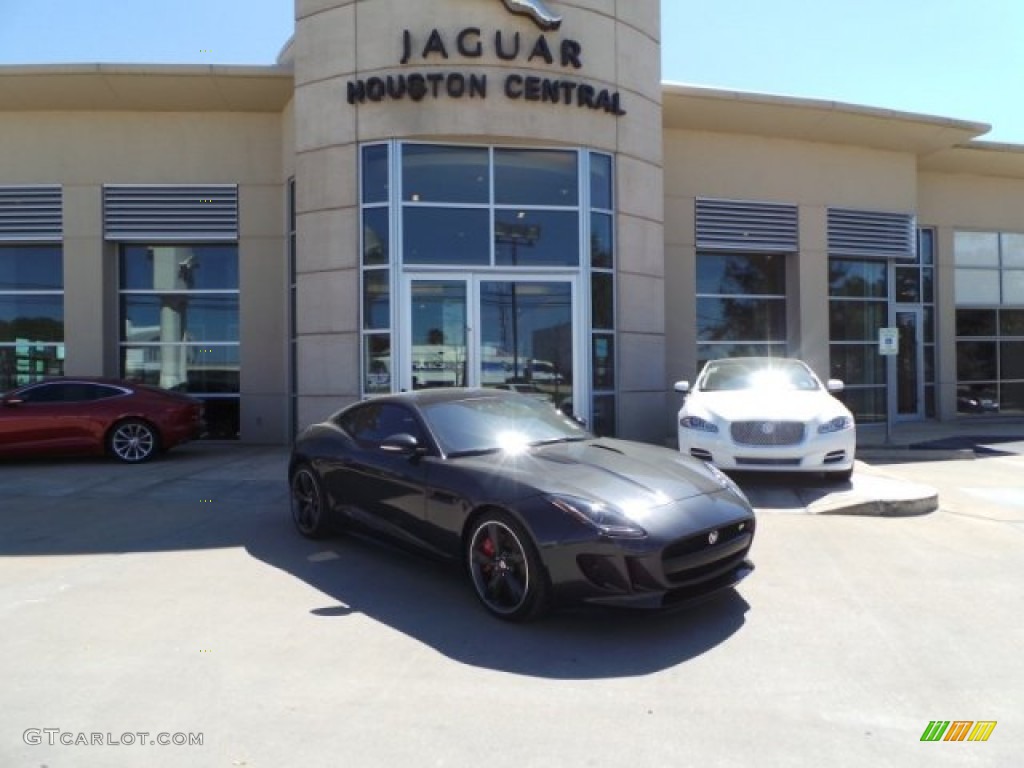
(767, 432)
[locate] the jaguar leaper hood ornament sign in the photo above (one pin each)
(536, 10)
(535, 52)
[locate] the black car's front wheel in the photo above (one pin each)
(505, 568)
(309, 506)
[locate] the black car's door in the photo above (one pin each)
(381, 490)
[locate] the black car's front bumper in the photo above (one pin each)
(675, 566)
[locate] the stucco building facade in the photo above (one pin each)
(449, 193)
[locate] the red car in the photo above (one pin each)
(73, 416)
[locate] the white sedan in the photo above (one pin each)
(766, 414)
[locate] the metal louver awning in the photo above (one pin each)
(871, 234)
(738, 225)
(180, 213)
(31, 213)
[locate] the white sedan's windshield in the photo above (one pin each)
(484, 424)
(724, 375)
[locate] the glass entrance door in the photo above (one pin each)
(909, 364)
(493, 331)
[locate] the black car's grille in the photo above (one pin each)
(767, 432)
(708, 553)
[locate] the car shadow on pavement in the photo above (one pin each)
(433, 602)
(186, 504)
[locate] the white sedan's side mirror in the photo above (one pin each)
(682, 386)
(835, 385)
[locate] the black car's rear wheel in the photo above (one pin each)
(505, 568)
(309, 507)
(133, 441)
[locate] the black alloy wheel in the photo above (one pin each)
(309, 512)
(133, 441)
(505, 569)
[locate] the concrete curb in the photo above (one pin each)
(907, 454)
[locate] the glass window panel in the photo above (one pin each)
(1011, 400)
(446, 236)
(536, 238)
(976, 361)
(435, 174)
(977, 286)
(977, 398)
(25, 363)
(741, 274)
(928, 285)
(741, 319)
(439, 330)
(857, 279)
(908, 284)
(604, 416)
(602, 303)
(183, 367)
(376, 237)
(857, 320)
(600, 181)
(857, 364)
(377, 298)
(179, 267)
(929, 402)
(375, 174)
(377, 361)
(976, 249)
(1013, 249)
(602, 247)
(1011, 360)
(867, 404)
(1013, 286)
(536, 177)
(222, 416)
(929, 325)
(31, 318)
(603, 361)
(31, 268)
(926, 246)
(929, 363)
(975, 322)
(177, 317)
(1011, 322)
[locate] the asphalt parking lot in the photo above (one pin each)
(174, 599)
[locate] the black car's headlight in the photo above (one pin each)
(838, 424)
(599, 515)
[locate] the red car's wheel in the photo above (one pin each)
(133, 441)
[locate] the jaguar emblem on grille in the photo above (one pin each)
(767, 428)
(713, 538)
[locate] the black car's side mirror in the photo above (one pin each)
(402, 444)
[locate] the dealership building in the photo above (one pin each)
(493, 192)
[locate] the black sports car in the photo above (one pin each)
(539, 511)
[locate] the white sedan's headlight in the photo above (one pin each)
(838, 424)
(697, 423)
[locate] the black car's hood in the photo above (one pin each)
(622, 473)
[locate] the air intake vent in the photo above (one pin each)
(871, 234)
(170, 213)
(31, 214)
(735, 225)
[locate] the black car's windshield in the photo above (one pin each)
(724, 375)
(483, 424)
